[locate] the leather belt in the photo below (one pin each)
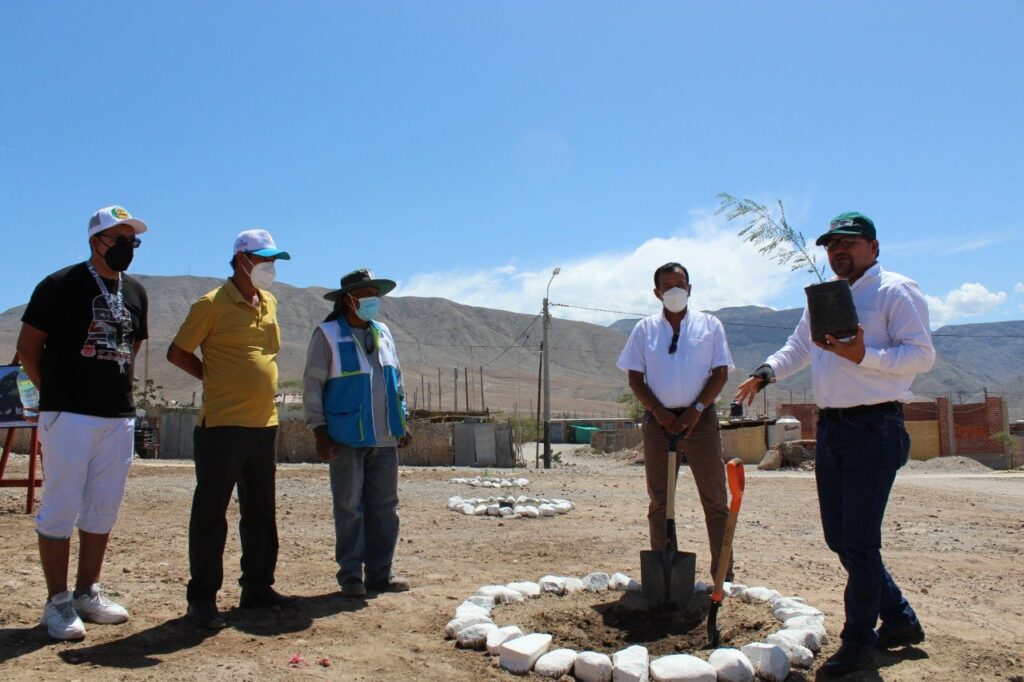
(837, 413)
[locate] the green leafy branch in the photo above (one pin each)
(775, 238)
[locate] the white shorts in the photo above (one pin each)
(85, 465)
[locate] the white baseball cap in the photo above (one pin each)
(112, 216)
(258, 243)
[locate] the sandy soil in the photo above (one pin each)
(952, 539)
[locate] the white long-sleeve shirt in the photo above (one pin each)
(894, 314)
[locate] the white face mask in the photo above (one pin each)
(262, 275)
(675, 299)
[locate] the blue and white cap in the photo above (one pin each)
(258, 243)
(112, 216)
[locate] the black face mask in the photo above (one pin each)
(119, 255)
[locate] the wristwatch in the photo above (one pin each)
(700, 406)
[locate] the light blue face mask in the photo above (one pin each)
(368, 308)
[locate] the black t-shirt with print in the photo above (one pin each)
(80, 372)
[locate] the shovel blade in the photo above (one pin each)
(667, 580)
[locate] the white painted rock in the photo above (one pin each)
(733, 589)
(815, 624)
(480, 510)
(682, 668)
(519, 509)
(546, 510)
(732, 665)
(786, 601)
(505, 511)
(555, 663)
(596, 582)
(558, 502)
(493, 510)
(799, 656)
(752, 594)
(621, 582)
(532, 512)
(782, 614)
(770, 662)
(467, 610)
(573, 585)
(498, 637)
(563, 507)
(553, 583)
(457, 625)
(592, 666)
(475, 636)
(522, 482)
(804, 637)
(469, 509)
(500, 594)
(632, 664)
(519, 654)
(506, 484)
(481, 601)
(527, 589)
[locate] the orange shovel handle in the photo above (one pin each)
(737, 481)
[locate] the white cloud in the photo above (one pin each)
(966, 301)
(724, 271)
(1018, 288)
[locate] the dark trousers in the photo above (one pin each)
(226, 456)
(856, 462)
(703, 452)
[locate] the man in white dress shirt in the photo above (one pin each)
(860, 385)
(678, 361)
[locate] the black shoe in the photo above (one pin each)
(392, 584)
(849, 658)
(205, 614)
(353, 589)
(262, 598)
(890, 637)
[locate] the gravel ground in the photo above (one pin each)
(952, 539)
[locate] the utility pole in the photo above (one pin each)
(483, 403)
(455, 392)
(540, 375)
(429, 398)
(423, 392)
(547, 375)
(465, 380)
(440, 408)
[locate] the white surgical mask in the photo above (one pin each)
(263, 274)
(675, 299)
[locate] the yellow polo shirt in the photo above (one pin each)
(239, 343)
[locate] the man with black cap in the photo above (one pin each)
(235, 325)
(860, 385)
(79, 336)
(354, 400)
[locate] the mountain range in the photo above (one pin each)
(437, 334)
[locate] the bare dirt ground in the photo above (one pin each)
(953, 539)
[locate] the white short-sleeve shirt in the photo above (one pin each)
(676, 379)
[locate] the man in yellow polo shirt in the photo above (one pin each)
(235, 326)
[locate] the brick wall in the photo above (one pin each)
(804, 413)
(974, 424)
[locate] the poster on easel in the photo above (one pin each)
(11, 415)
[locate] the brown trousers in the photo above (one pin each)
(703, 453)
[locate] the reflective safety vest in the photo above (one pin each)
(348, 393)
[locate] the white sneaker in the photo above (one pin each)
(95, 607)
(60, 618)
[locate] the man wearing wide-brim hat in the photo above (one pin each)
(354, 401)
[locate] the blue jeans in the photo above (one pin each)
(856, 460)
(364, 485)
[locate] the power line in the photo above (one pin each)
(773, 326)
(525, 331)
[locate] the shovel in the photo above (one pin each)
(666, 576)
(734, 471)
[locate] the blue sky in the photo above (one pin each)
(467, 148)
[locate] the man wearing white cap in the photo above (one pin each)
(235, 325)
(79, 336)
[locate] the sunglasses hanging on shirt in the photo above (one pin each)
(674, 345)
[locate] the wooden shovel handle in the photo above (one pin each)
(737, 482)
